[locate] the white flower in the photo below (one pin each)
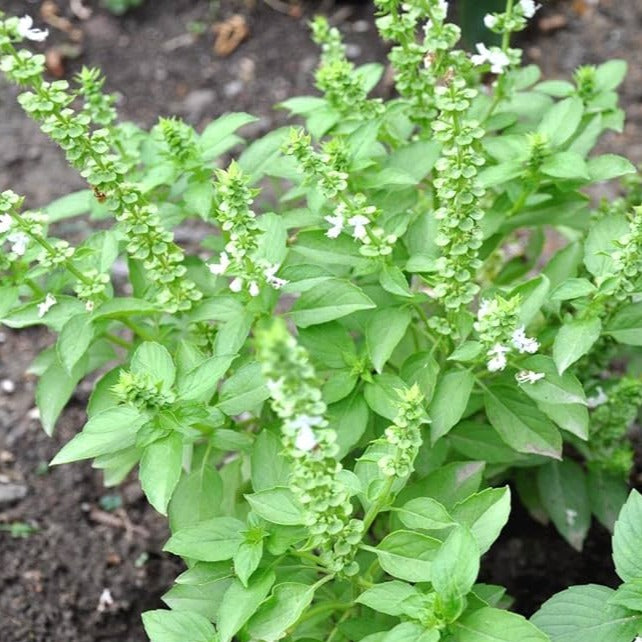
(305, 421)
(571, 516)
(46, 305)
(19, 241)
(25, 29)
(497, 59)
(305, 439)
(490, 20)
(359, 223)
(5, 223)
(486, 307)
(253, 288)
(219, 268)
(236, 285)
(529, 8)
(528, 376)
(597, 399)
(443, 6)
(270, 276)
(524, 343)
(498, 357)
(89, 306)
(337, 220)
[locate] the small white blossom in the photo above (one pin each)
(498, 357)
(571, 516)
(490, 20)
(359, 223)
(270, 276)
(254, 289)
(486, 307)
(236, 285)
(305, 421)
(5, 223)
(528, 376)
(26, 30)
(524, 343)
(337, 220)
(89, 306)
(19, 242)
(219, 268)
(443, 5)
(497, 59)
(46, 305)
(529, 8)
(598, 399)
(105, 601)
(306, 439)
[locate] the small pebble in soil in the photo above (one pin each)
(8, 386)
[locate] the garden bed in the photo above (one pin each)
(89, 543)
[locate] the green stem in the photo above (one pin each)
(119, 341)
(378, 504)
(506, 34)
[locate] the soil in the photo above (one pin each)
(88, 542)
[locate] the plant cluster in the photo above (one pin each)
(335, 394)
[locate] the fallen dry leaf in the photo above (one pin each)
(230, 34)
(553, 22)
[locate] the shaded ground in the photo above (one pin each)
(51, 582)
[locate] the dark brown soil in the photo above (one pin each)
(51, 581)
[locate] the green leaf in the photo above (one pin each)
(610, 74)
(277, 505)
(244, 390)
(456, 565)
(154, 360)
(485, 514)
(572, 289)
(330, 344)
(74, 340)
(197, 497)
(600, 246)
(608, 166)
(407, 555)
(204, 599)
(259, 155)
(499, 174)
(477, 440)
(247, 558)
(628, 595)
(569, 165)
(269, 467)
(496, 625)
(385, 329)
(280, 611)
(520, 423)
(213, 540)
(410, 632)
(424, 513)
(562, 120)
(387, 597)
(349, 418)
(448, 484)
(627, 539)
(563, 492)
(449, 401)
(626, 325)
(574, 340)
(382, 395)
(582, 613)
(177, 626)
(201, 382)
(240, 603)
(330, 300)
(219, 129)
(607, 493)
(392, 280)
(54, 390)
(106, 432)
(160, 470)
(68, 206)
(199, 197)
(123, 307)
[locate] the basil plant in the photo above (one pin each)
(398, 317)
